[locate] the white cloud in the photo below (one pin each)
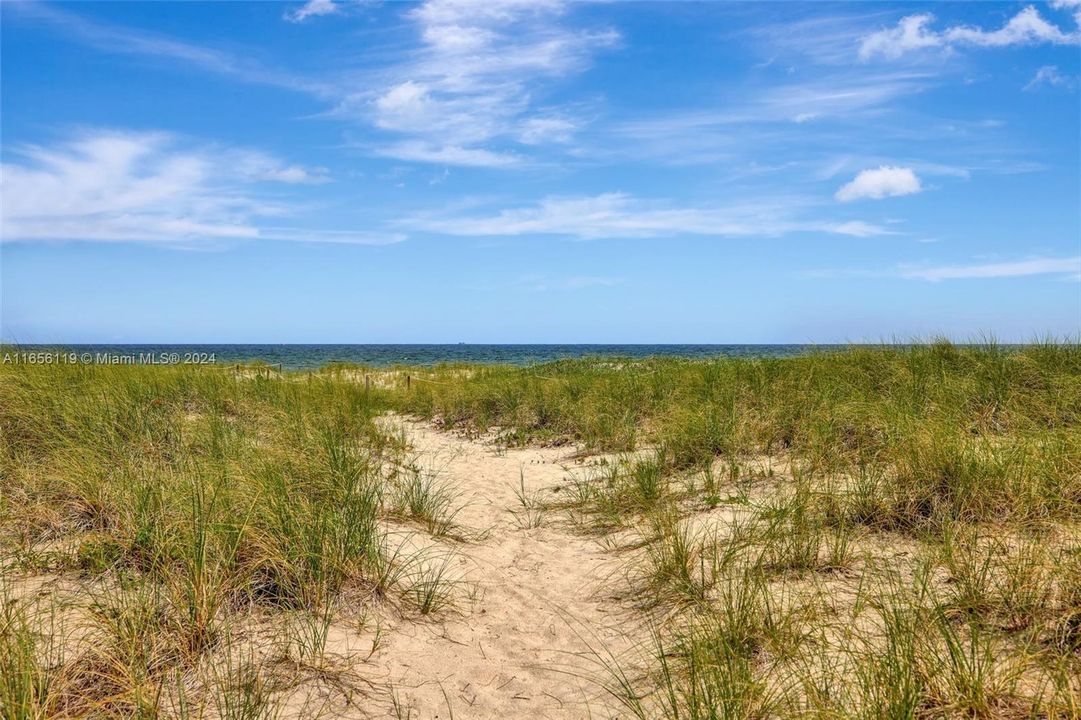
(454, 38)
(859, 228)
(1021, 268)
(618, 215)
(421, 151)
(1074, 5)
(312, 8)
(538, 130)
(339, 237)
(884, 181)
(118, 186)
(297, 175)
(438, 13)
(465, 95)
(910, 34)
(260, 167)
(468, 90)
(913, 33)
(114, 186)
(405, 100)
(1049, 75)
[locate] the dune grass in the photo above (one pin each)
(879, 532)
(178, 504)
(876, 532)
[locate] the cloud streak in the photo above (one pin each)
(1068, 266)
(117, 39)
(618, 215)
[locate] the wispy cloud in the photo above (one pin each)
(312, 8)
(463, 96)
(337, 237)
(843, 96)
(618, 215)
(429, 152)
(1050, 75)
(151, 187)
(1069, 266)
(834, 96)
(822, 38)
(881, 182)
(913, 33)
(1064, 268)
(466, 93)
(116, 186)
(118, 39)
(859, 228)
(787, 119)
(258, 166)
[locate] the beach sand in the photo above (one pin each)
(532, 604)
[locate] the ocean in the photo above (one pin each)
(302, 357)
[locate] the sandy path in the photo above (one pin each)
(535, 599)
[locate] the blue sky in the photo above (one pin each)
(510, 171)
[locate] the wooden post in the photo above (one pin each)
(367, 386)
(407, 382)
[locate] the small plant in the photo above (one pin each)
(418, 495)
(241, 688)
(139, 640)
(967, 673)
(533, 508)
(28, 678)
(680, 564)
(892, 682)
(710, 494)
(704, 673)
(307, 634)
(793, 535)
(647, 481)
(431, 583)
(388, 565)
(402, 710)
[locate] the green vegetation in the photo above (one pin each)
(881, 532)
(190, 507)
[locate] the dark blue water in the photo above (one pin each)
(298, 357)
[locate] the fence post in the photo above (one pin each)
(407, 382)
(367, 386)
